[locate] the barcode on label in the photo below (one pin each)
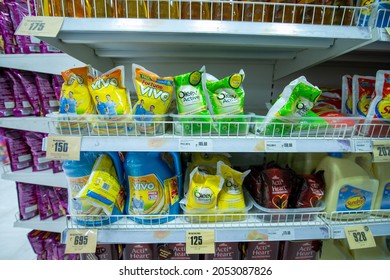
(106, 186)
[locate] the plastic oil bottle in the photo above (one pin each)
(348, 186)
(154, 186)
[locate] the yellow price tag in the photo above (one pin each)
(40, 26)
(63, 147)
(388, 30)
(200, 242)
(80, 241)
(381, 151)
(359, 237)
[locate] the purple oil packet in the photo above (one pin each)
(7, 29)
(47, 96)
(22, 104)
(27, 200)
(57, 81)
(50, 244)
(19, 154)
(27, 80)
(34, 140)
(18, 9)
(35, 237)
(45, 210)
(62, 195)
(7, 102)
(57, 166)
(58, 210)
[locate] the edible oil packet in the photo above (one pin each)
(363, 89)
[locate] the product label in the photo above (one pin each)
(171, 186)
(366, 90)
(382, 108)
(147, 195)
(262, 250)
(353, 198)
(138, 252)
(386, 197)
(76, 207)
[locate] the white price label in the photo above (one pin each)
(281, 146)
(63, 147)
(200, 242)
(80, 241)
(381, 151)
(363, 146)
(195, 145)
(388, 30)
(281, 234)
(359, 237)
(40, 26)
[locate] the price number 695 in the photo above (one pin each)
(80, 240)
(196, 240)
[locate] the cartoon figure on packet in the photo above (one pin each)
(100, 106)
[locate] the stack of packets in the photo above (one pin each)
(214, 187)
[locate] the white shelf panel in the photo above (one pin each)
(250, 229)
(36, 124)
(46, 178)
(103, 42)
(51, 63)
(46, 225)
(215, 144)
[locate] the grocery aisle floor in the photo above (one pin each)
(13, 241)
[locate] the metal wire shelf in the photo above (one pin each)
(242, 126)
(221, 10)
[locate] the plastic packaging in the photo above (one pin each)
(27, 80)
(104, 252)
(139, 252)
(103, 189)
(34, 141)
(310, 190)
(19, 152)
(295, 102)
(174, 251)
(363, 89)
(225, 251)
(232, 195)
(47, 98)
(7, 30)
(301, 250)
(347, 96)
(379, 107)
(44, 206)
(7, 102)
(28, 201)
(153, 187)
(22, 104)
(348, 187)
(203, 190)
(195, 10)
(261, 250)
(57, 82)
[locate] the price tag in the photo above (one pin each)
(195, 145)
(281, 234)
(63, 147)
(40, 26)
(281, 146)
(79, 241)
(359, 237)
(362, 146)
(388, 30)
(381, 151)
(200, 242)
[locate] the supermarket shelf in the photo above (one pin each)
(36, 124)
(377, 220)
(102, 42)
(251, 229)
(46, 225)
(51, 63)
(45, 178)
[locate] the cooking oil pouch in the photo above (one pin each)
(292, 106)
(347, 97)
(191, 100)
(103, 189)
(203, 190)
(363, 89)
(231, 195)
(155, 96)
(226, 98)
(111, 100)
